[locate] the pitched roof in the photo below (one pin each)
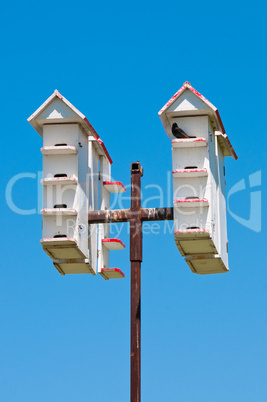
(204, 107)
(70, 115)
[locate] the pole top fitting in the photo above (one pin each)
(136, 168)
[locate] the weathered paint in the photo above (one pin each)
(189, 142)
(190, 172)
(125, 215)
(199, 202)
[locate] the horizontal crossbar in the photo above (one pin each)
(125, 215)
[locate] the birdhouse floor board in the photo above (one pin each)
(65, 267)
(189, 143)
(111, 273)
(196, 246)
(191, 234)
(53, 181)
(191, 203)
(59, 253)
(113, 244)
(59, 150)
(212, 264)
(59, 211)
(190, 173)
(59, 242)
(114, 186)
(62, 248)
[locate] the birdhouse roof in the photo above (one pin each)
(187, 101)
(57, 109)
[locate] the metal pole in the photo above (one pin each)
(135, 215)
(136, 259)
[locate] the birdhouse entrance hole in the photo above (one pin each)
(60, 175)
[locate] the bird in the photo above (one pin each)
(178, 132)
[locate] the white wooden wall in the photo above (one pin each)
(201, 187)
(73, 195)
(212, 218)
(93, 180)
(104, 204)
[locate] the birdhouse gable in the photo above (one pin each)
(187, 101)
(56, 110)
(194, 102)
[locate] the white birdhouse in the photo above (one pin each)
(74, 160)
(199, 145)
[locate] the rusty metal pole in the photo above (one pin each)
(135, 215)
(136, 259)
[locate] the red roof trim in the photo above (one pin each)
(112, 183)
(185, 86)
(42, 106)
(113, 241)
(232, 151)
(81, 115)
(91, 128)
(220, 120)
(178, 93)
(104, 149)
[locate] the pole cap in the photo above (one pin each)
(136, 168)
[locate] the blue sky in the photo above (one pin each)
(67, 338)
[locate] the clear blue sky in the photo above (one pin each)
(67, 338)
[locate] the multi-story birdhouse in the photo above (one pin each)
(76, 169)
(199, 145)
